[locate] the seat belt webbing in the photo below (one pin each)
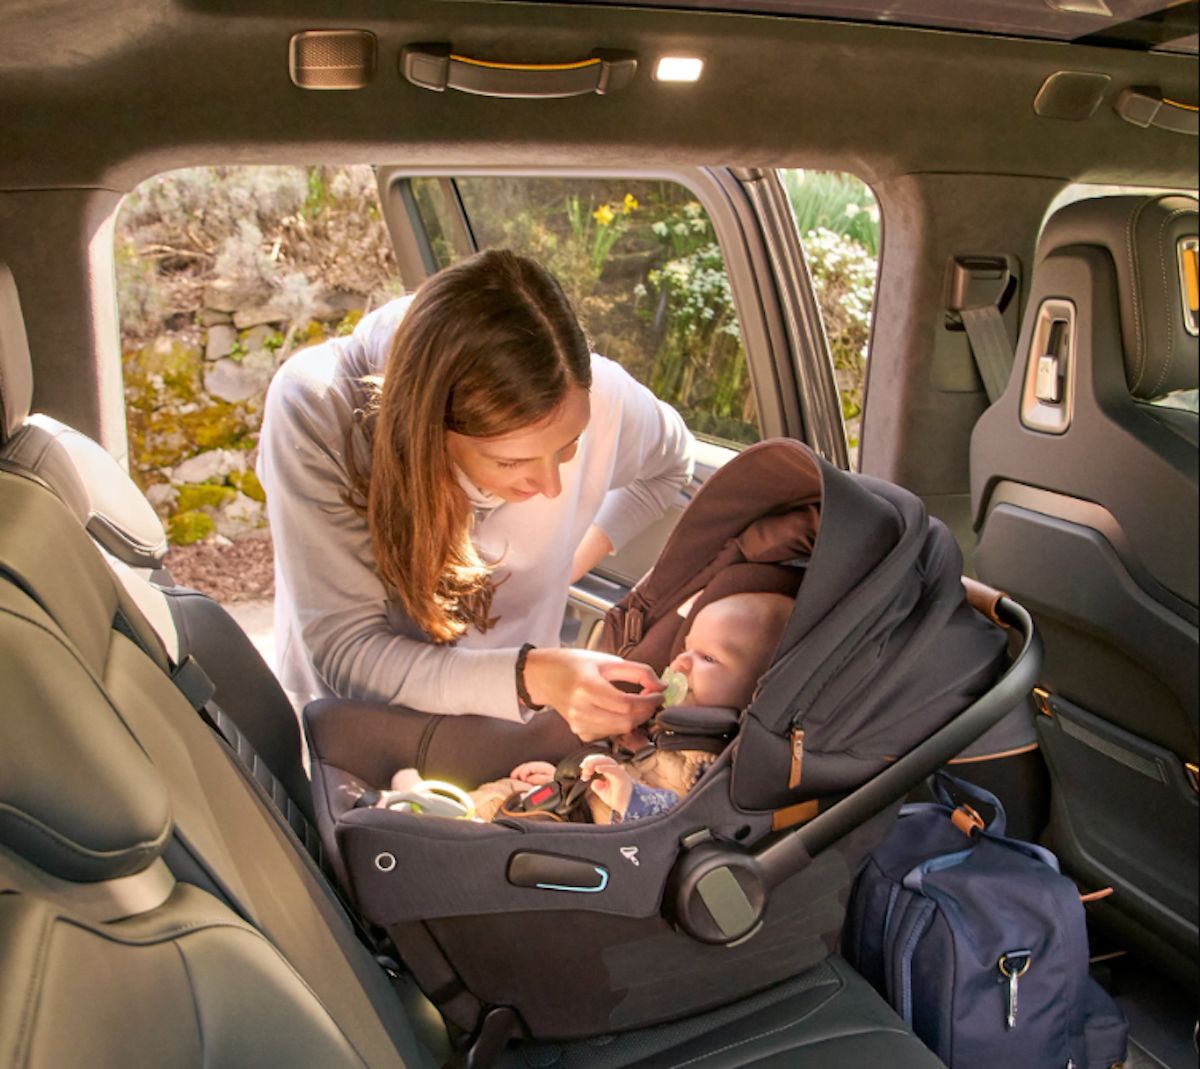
(993, 352)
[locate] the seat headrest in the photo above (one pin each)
(16, 367)
(91, 482)
(1150, 240)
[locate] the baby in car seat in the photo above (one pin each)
(726, 650)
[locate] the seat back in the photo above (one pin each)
(87, 688)
(254, 713)
(77, 657)
(1084, 490)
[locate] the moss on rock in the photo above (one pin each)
(248, 483)
(184, 528)
(194, 496)
(219, 425)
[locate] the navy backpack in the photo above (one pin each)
(979, 942)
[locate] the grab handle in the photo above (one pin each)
(436, 67)
(1147, 107)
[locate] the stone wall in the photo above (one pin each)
(223, 273)
(194, 397)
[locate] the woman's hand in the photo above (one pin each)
(578, 684)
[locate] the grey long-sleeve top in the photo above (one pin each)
(337, 630)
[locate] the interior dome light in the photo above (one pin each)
(678, 69)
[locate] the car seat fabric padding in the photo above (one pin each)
(219, 818)
(357, 745)
(881, 648)
(734, 535)
(880, 651)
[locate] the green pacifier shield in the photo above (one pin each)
(677, 685)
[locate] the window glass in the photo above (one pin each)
(640, 262)
(435, 202)
(838, 219)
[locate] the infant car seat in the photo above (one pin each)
(563, 930)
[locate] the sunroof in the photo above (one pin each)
(1135, 24)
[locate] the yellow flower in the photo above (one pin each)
(630, 204)
(603, 215)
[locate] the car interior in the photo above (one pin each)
(167, 896)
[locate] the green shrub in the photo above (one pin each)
(830, 200)
(843, 274)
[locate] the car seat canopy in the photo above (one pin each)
(881, 649)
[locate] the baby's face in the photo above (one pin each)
(720, 660)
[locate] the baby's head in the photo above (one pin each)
(729, 646)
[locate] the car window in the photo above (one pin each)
(222, 274)
(641, 265)
(838, 219)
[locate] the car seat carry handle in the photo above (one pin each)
(718, 890)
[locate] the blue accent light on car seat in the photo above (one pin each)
(602, 873)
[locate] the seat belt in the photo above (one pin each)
(980, 286)
(194, 684)
(993, 352)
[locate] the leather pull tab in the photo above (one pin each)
(632, 629)
(966, 820)
(797, 766)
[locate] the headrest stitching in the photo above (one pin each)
(1162, 375)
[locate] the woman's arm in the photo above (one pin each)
(652, 452)
(596, 545)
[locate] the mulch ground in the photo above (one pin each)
(243, 570)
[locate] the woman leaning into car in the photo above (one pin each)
(437, 480)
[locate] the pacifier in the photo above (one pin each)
(677, 688)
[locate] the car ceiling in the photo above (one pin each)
(98, 95)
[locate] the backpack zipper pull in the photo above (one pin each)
(1013, 965)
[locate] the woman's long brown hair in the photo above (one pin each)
(488, 346)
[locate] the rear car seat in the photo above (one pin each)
(151, 897)
(1084, 486)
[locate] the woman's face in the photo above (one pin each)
(525, 462)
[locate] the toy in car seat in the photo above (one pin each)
(411, 794)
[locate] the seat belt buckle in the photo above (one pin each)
(193, 682)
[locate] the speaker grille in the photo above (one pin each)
(331, 59)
